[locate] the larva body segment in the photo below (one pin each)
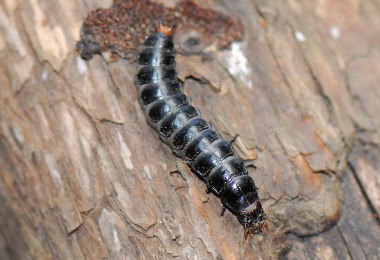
(190, 137)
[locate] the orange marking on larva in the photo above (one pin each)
(166, 30)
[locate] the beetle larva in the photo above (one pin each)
(180, 125)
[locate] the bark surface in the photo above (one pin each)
(83, 176)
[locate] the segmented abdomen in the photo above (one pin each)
(190, 137)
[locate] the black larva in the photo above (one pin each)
(190, 137)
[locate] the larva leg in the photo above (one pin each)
(249, 163)
(223, 210)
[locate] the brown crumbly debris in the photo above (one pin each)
(121, 28)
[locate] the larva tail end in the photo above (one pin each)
(165, 29)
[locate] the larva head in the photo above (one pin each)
(253, 220)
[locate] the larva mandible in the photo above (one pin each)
(180, 125)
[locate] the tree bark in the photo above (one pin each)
(83, 176)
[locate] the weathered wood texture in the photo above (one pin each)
(82, 175)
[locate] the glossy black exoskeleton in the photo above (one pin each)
(190, 137)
